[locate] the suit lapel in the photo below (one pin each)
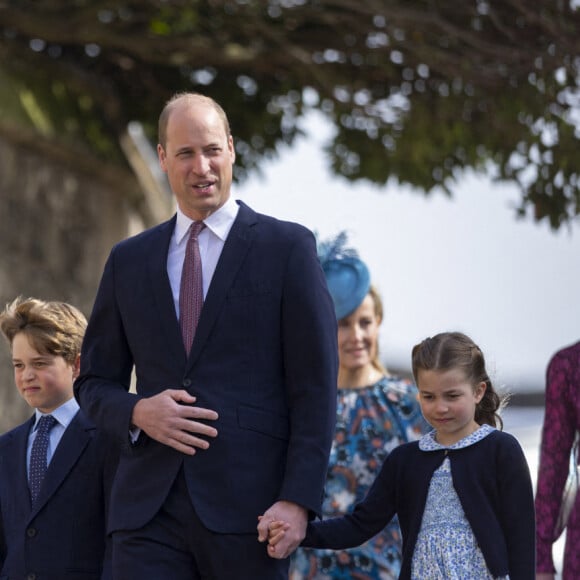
(157, 265)
(72, 444)
(237, 245)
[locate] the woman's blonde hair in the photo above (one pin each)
(378, 307)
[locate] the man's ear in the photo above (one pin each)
(162, 156)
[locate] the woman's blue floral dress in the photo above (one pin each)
(370, 423)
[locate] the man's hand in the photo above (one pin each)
(295, 516)
(164, 419)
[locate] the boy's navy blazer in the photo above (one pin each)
(63, 537)
(264, 357)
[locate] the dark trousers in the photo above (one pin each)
(175, 545)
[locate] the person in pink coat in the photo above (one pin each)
(561, 422)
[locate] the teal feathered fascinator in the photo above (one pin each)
(347, 276)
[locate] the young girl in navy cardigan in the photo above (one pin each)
(463, 493)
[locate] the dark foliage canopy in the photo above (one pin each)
(418, 90)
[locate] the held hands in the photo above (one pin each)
(170, 418)
(284, 526)
(276, 532)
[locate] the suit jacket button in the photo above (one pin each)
(186, 382)
(31, 532)
(31, 576)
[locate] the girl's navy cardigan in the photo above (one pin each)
(491, 478)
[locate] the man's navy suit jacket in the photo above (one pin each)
(264, 357)
(63, 537)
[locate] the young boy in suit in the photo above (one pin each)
(56, 468)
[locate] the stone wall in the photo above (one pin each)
(57, 225)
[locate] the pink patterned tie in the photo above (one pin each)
(191, 289)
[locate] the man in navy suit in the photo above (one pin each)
(53, 521)
(240, 425)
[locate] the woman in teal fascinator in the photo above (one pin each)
(376, 412)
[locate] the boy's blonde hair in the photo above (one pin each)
(54, 328)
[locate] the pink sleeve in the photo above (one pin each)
(560, 420)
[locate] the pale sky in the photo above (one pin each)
(462, 264)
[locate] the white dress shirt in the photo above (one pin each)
(211, 241)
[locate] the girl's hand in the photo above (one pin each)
(289, 515)
(276, 532)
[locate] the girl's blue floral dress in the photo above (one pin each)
(370, 423)
(446, 548)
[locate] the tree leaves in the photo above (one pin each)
(418, 90)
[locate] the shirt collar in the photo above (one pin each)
(63, 414)
(429, 443)
(219, 222)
